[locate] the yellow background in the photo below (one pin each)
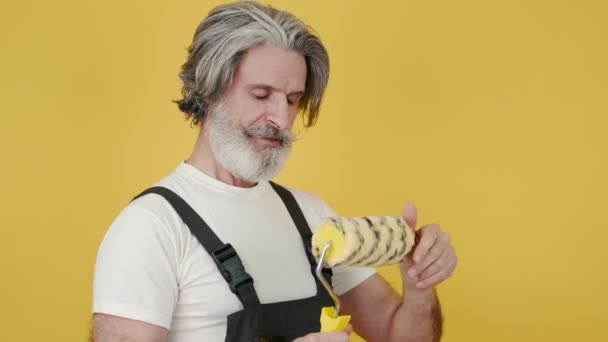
(491, 115)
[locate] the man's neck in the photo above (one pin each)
(202, 158)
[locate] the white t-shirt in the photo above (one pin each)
(151, 268)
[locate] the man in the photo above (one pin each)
(164, 271)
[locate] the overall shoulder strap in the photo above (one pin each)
(303, 228)
(227, 260)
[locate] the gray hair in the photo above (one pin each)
(222, 39)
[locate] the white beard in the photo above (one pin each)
(232, 147)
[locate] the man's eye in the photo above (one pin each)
(293, 101)
(261, 96)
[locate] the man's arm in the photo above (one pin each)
(135, 275)
(379, 314)
(108, 328)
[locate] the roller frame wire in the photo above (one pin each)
(324, 281)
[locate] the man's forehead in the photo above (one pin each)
(272, 68)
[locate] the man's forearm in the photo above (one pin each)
(418, 319)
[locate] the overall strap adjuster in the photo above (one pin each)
(231, 267)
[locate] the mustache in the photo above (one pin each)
(264, 131)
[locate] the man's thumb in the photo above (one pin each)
(410, 215)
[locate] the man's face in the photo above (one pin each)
(249, 130)
(267, 88)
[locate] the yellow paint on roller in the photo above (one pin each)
(331, 233)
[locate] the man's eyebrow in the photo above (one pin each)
(271, 88)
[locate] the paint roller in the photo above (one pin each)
(369, 241)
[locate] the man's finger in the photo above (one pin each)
(349, 329)
(436, 278)
(444, 260)
(428, 237)
(431, 257)
(336, 336)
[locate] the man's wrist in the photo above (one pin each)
(413, 295)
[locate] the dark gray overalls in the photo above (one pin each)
(268, 322)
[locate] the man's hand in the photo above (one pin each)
(433, 259)
(336, 336)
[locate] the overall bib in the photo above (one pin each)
(268, 322)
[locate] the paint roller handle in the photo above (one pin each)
(330, 319)
(330, 322)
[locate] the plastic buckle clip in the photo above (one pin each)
(231, 267)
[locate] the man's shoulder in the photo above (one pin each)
(148, 214)
(315, 209)
(305, 197)
(154, 205)
(151, 204)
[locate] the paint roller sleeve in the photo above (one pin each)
(370, 241)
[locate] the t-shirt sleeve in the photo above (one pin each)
(136, 268)
(344, 278)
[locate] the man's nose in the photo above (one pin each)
(278, 114)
